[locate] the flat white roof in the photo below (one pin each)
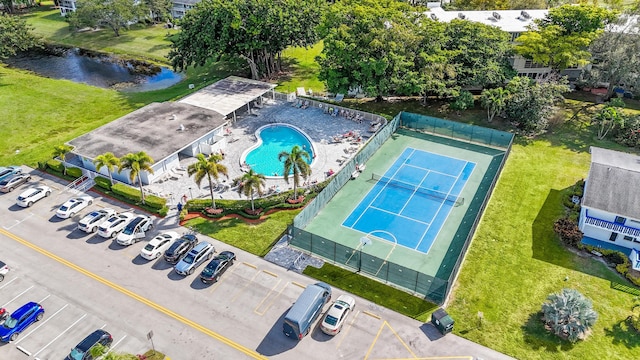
(510, 20)
(228, 95)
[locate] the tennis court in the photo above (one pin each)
(413, 198)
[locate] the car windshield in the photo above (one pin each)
(331, 320)
(63, 208)
(10, 323)
(4, 182)
(149, 247)
(76, 354)
(189, 259)
(128, 231)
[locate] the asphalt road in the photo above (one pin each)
(86, 282)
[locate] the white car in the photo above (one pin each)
(135, 230)
(73, 206)
(4, 270)
(112, 226)
(31, 195)
(91, 221)
(337, 314)
(158, 245)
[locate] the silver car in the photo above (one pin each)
(198, 255)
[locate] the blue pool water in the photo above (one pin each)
(276, 139)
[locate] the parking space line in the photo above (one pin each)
(117, 342)
(62, 333)
(366, 356)
(137, 297)
(400, 339)
(17, 296)
(269, 273)
(250, 265)
(267, 296)
(371, 314)
(385, 323)
(18, 222)
(7, 283)
(241, 290)
(42, 323)
(217, 284)
(344, 334)
(23, 350)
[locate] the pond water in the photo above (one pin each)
(99, 71)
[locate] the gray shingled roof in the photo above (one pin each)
(612, 184)
(152, 129)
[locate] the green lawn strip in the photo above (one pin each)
(302, 70)
(372, 290)
(36, 115)
(256, 239)
(516, 260)
(139, 41)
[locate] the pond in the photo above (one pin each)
(95, 69)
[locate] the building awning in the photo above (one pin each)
(228, 95)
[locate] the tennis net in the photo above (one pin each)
(433, 194)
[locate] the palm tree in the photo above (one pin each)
(136, 163)
(209, 167)
(494, 100)
(249, 183)
(107, 160)
(61, 151)
(295, 162)
(569, 314)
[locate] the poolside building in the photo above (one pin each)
(610, 214)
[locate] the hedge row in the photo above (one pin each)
(133, 194)
(619, 259)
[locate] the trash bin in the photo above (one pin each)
(442, 321)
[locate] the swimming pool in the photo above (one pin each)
(272, 140)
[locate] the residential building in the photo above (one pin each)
(610, 215)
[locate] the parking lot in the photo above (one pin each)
(86, 282)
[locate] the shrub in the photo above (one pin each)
(74, 172)
(102, 183)
(463, 101)
(616, 257)
(133, 195)
(569, 314)
(568, 231)
(183, 213)
(634, 319)
(163, 211)
(55, 165)
(633, 276)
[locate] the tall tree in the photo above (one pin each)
(617, 54)
(569, 314)
(107, 160)
(562, 38)
(249, 184)
(114, 14)
(296, 164)
(494, 100)
(479, 52)
(159, 10)
(136, 163)
(15, 35)
(210, 168)
(61, 151)
(369, 45)
(256, 31)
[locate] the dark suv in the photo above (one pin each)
(83, 350)
(179, 248)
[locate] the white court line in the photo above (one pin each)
(42, 323)
(398, 215)
(17, 296)
(118, 342)
(62, 333)
(45, 298)
(7, 283)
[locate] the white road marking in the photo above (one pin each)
(17, 296)
(7, 283)
(62, 333)
(42, 323)
(18, 222)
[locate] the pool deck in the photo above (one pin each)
(320, 128)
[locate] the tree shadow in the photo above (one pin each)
(540, 339)
(623, 333)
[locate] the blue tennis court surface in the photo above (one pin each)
(412, 199)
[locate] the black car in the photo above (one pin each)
(217, 267)
(180, 248)
(83, 350)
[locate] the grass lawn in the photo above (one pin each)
(256, 239)
(302, 70)
(139, 41)
(516, 260)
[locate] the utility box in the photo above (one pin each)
(442, 321)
